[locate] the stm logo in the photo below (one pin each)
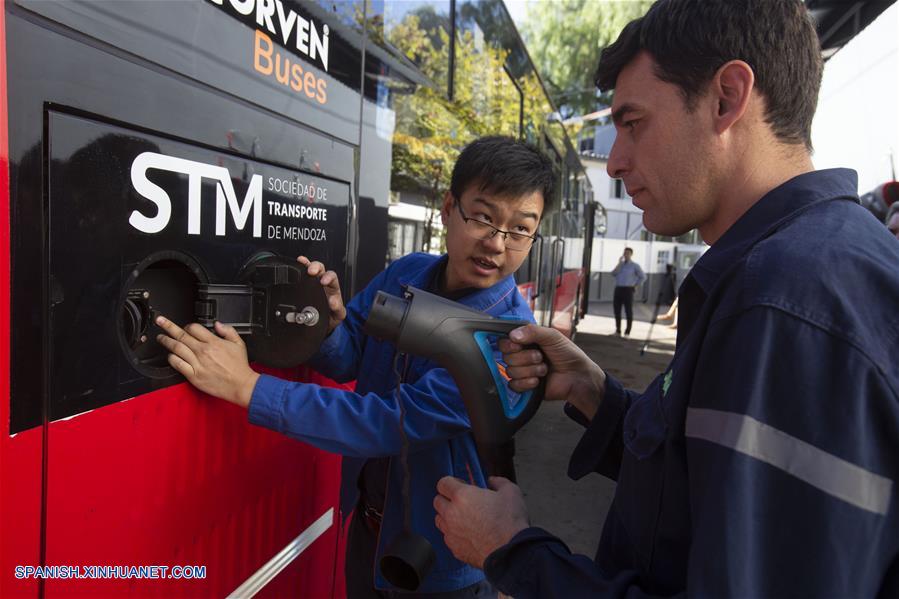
(225, 196)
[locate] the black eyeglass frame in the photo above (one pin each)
(466, 218)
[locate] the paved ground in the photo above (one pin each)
(573, 510)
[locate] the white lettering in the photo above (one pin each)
(265, 10)
(303, 35)
(226, 198)
(244, 7)
(152, 192)
(286, 23)
(302, 191)
(296, 233)
(194, 190)
(320, 45)
(297, 211)
(240, 213)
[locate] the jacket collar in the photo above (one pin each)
(481, 299)
(776, 206)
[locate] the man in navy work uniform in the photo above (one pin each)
(763, 462)
(628, 275)
(491, 214)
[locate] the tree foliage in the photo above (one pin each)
(565, 38)
(431, 128)
(488, 99)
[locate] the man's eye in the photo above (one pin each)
(523, 229)
(483, 217)
(631, 124)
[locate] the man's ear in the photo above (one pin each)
(732, 87)
(447, 206)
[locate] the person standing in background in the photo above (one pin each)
(668, 295)
(628, 275)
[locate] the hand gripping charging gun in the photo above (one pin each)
(456, 338)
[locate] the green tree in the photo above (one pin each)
(565, 38)
(430, 128)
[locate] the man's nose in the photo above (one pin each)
(618, 163)
(496, 243)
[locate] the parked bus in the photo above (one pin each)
(151, 152)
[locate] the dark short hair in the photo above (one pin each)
(503, 166)
(689, 40)
(631, 250)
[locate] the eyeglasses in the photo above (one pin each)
(478, 229)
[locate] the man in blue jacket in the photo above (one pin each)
(763, 462)
(491, 213)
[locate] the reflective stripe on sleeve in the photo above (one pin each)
(826, 472)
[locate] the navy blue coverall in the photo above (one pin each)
(764, 461)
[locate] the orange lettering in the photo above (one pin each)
(287, 73)
(285, 76)
(260, 54)
(296, 81)
(309, 84)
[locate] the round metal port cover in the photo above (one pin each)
(283, 288)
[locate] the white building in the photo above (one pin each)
(624, 227)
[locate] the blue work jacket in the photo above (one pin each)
(365, 423)
(763, 462)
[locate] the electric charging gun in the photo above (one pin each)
(457, 338)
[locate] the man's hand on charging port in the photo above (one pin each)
(214, 364)
(570, 374)
(328, 279)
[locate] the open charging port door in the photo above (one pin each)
(281, 312)
(166, 282)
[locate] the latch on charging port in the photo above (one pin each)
(277, 310)
(228, 304)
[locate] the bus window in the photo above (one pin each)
(419, 31)
(483, 87)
